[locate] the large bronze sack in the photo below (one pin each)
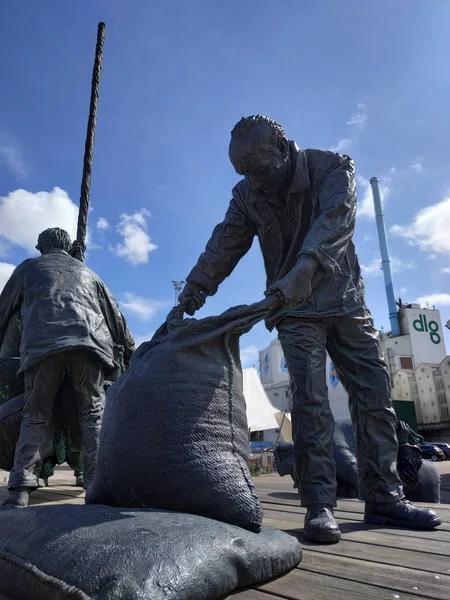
(106, 553)
(174, 433)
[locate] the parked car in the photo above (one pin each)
(431, 452)
(445, 448)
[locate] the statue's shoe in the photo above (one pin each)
(17, 498)
(320, 525)
(401, 514)
(79, 481)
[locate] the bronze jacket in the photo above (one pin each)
(63, 306)
(318, 218)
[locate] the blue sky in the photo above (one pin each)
(369, 79)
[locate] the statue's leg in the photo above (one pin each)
(304, 345)
(86, 376)
(41, 386)
(75, 462)
(353, 346)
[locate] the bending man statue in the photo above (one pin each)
(71, 326)
(301, 204)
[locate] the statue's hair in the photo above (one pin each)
(54, 238)
(242, 128)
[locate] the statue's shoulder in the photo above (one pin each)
(324, 158)
(319, 162)
(25, 264)
(87, 270)
(242, 191)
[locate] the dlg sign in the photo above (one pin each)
(430, 327)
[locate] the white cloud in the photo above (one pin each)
(142, 308)
(137, 244)
(6, 270)
(102, 224)
(11, 156)
(23, 215)
(417, 165)
(398, 265)
(429, 228)
(434, 299)
(403, 290)
(374, 269)
(343, 145)
(365, 204)
(5, 248)
(143, 337)
(358, 120)
(446, 271)
(249, 355)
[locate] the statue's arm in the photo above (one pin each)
(10, 298)
(229, 242)
(332, 231)
(128, 340)
(115, 321)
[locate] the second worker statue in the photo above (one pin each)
(301, 204)
(71, 325)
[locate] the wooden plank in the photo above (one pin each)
(348, 502)
(345, 504)
(395, 578)
(434, 563)
(50, 496)
(250, 594)
(305, 585)
(295, 521)
(385, 537)
(375, 538)
(50, 500)
(284, 511)
(293, 500)
(349, 506)
(273, 484)
(63, 492)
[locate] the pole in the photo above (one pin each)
(89, 145)
(385, 260)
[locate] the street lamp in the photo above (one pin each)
(178, 286)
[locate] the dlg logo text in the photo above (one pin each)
(430, 327)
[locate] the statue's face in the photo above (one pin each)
(262, 162)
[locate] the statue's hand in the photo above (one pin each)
(78, 250)
(296, 286)
(192, 298)
(403, 431)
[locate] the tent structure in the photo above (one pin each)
(260, 413)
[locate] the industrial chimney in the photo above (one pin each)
(385, 260)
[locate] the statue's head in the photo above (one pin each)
(54, 238)
(259, 150)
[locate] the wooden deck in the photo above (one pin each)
(369, 563)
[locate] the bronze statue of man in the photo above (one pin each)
(301, 204)
(71, 325)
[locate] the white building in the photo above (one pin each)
(275, 379)
(417, 361)
(419, 366)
